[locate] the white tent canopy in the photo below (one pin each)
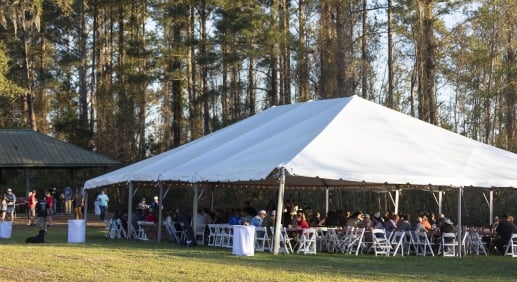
(341, 142)
(348, 139)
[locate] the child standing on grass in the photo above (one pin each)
(50, 204)
(41, 212)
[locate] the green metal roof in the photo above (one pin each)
(25, 148)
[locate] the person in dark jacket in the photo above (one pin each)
(505, 229)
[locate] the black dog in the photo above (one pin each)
(40, 238)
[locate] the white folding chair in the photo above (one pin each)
(345, 239)
(219, 234)
(174, 235)
(211, 234)
(476, 244)
(284, 242)
(356, 242)
(262, 241)
(107, 228)
(424, 244)
(449, 245)
(227, 236)
(308, 241)
(200, 234)
(397, 241)
(322, 239)
(381, 245)
(142, 235)
(333, 243)
(511, 247)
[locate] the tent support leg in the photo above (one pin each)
(327, 201)
(130, 211)
(491, 207)
(460, 194)
(160, 213)
(85, 216)
(194, 207)
(279, 212)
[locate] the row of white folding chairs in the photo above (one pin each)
(349, 241)
(114, 229)
(220, 235)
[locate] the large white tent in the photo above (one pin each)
(337, 142)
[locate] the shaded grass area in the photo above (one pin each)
(114, 259)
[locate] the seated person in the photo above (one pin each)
(142, 205)
(404, 224)
(258, 220)
(235, 218)
(302, 221)
(149, 216)
(505, 229)
(391, 224)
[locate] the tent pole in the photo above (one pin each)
(491, 207)
(212, 198)
(440, 202)
(279, 212)
(85, 217)
(397, 196)
(160, 215)
(194, 208)
(130, 211)
(327, 200)
(460, 193)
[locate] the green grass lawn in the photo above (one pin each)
(120, 260)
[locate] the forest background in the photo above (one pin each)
(130, 79)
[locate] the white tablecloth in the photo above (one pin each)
(243, 240)
(6, 229)
(76, 231)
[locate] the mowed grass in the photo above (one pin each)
(99, 259)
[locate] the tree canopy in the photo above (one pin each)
(131, 79)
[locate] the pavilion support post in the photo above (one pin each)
(160, 214)
(27, 182)
(491, 207)
(279, 212)
(460, 194)
(130, 210)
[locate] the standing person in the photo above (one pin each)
(50, 206)
(11, 203)
(31, 206)
(3, 206)
(68, 192)
(78, 204)
(41, 212)
(102, 200)
(55, 196)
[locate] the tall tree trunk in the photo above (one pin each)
(327, 47)
(511, 92)
(302, 60)
(426, 48)
(285, 72)
(364, 51)
(390, 102)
